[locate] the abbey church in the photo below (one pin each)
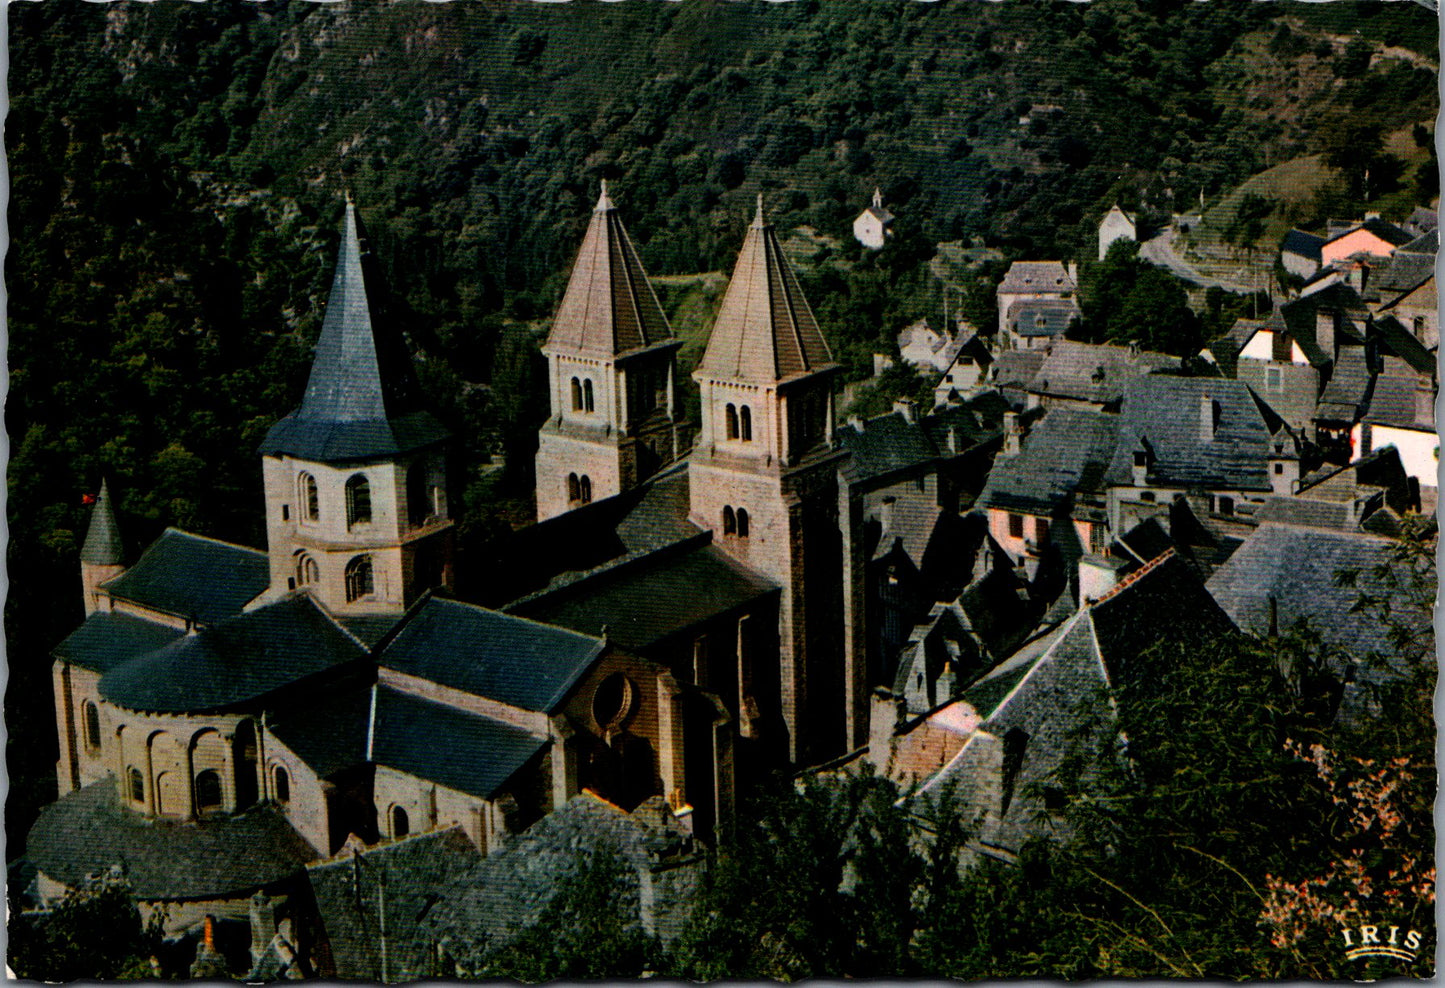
(685, 614)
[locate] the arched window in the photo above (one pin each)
(745, 423)
(400, 824)
(742, 523)
(576, 395)
(574, 489)
(359, 579)
(584, 489)
(137, 785)
(306, 570)
(281, 784)
(92, 725)
(730, 521)
(418, 502)
(307, 497)
(587, 395)
(208, 790)
(358, 500)
(730, 414)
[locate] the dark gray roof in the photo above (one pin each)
(645, 602)
(1348, 389)
(975, 421)
(1307, 512)
(886, 444)
(1164, 414)
(1401, 272)
(107, 639)
(1067, 451)
(499, 897)
(235, 662)
(1017, 367)
(1093, 372)
(85, 832)
(407, 875)
(1393, 401)
(487, 653)
(1302, 243)
(362, 400)
(1025, 277)
(1298, 568)
(1042, 317)
(1397, 341)
(449, 746)
(327, 730)
(102, 539)
(193, 577)
(1428, 243)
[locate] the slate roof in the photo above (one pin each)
(1042, 317)
(193, 577)
(1307, 512)
(362, 400)
(85, 832)
(765, 332)
(1016, 368)
(1393, 402)
(107, 639)
(642, 604)
(1163, 413)
(886, 444)
(1348, 390)
(1397, 341)
(609, 307)
(447, 745)
(1067, 451)
(972, 422)
(102, 545)
(235, 662)
(407, 874)
(1093, 372)
(326, 730)
(486, 653)
(1297, 567)
(1302, 243)
(1427, 243)
(1401, 272)
(1025, 277)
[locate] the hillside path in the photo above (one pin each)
(1159, 250)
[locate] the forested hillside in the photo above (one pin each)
(177, 172)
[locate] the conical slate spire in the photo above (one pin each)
(609, 307)
(362, 399)
(102, 539)
(765, 332)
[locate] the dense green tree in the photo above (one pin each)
(94, 933)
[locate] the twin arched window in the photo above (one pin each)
(92, 725)
(739, 422)
(306, 570)
(735, 522)
(358, 500)
(360, 580)
(579, 489)
(582, 400)
(308, 497)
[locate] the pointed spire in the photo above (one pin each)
(362, 381)
(765, 332)
(609, 307)
(102, 539)
(877, 197)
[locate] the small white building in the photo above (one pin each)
(1116, 225)
(926, 349)
(874, 225)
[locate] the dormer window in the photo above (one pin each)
(1141, 458)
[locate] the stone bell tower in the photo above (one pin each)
(611, 360)
(764, 477)
(355, 479)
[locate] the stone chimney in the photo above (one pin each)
(952, 440)
(1325, 331)
(1141, 466)
(1283, 470)
(907, 408)
(1074, 273)
(1013, 436)
(1208, 418)
(885, 713)
(885, 513)
(855, 422)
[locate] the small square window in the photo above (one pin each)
(1147, 497)
(285, 512)
(1278, 469)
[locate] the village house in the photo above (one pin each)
(1300, 253)
(1090, 375)
(874, 225)
(966, 374)
(1374, 237)
(928, 350)
(1036, 303)
(1116, 225)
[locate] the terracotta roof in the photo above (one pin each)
(609, 307)
(765, 332)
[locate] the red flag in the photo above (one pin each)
(87, 499)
